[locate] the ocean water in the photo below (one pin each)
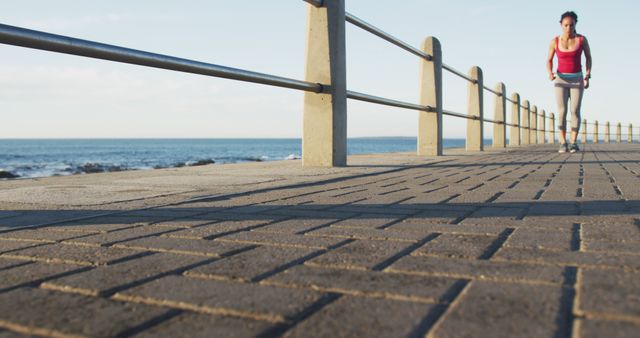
(29, 158)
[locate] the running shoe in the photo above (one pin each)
(563, 148)
(573, 148)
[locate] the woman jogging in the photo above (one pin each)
(570, 81)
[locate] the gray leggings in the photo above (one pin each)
(569, 89)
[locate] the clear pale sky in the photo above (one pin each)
(48, 95)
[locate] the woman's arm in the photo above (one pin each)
(552, 53)
(587, 54)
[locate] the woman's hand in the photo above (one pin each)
(552, 76)
(586, 82)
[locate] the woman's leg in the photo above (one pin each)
(562, 98)
(576, 104)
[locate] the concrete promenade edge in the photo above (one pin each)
(523, 242)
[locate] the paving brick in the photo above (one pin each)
(437, 216)
(368, 283)
(12, 334)
(379, 200)
(373, 234)
(8, 213)
(39, 235)
(124, 218)
(6, 263)
(198, 247)
(381, 211)
(11, 245)
(33, 272)
(550, 222)
(276, 239)
(90, 228)
(119, 236)
(471, 229)
(367, 221)
(197, 325)
(574, 258)
(252, 264)
(72, 254)
(55, 313)
(555, 209)
(223, 297)
(113, 219)
(536, 238)
(507, 310)
(216, 229)
(367, 317)
(455, 245)
(329, 214)
(478, 269)
(182, 223)
(296, 225)
(166, 212)
(108, 279)
(610, 292)
(236, 216)
(41, 218)
(613, 238)
(592, 328)
(361, 254)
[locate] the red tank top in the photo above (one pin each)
(569, 62)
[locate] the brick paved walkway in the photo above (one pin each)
(527, 243)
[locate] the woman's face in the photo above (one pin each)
(568, 25)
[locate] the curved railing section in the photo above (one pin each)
(324, 141)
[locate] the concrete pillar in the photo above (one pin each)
(526, 132)
(533, 122)
(541, 127)
(595, 132)
(607, 135)
(475, 109)
(430, 123)
(552, 128)
(514, 131)
(500, 115)
(324, 134)
(584, 131)
(630, 134)
(619, 133)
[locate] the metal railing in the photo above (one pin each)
(333, 18)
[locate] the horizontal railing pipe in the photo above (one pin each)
(388, 37)
(23, 37)
(387, 102)
(462, 75)
(464, 116)
(492, 91)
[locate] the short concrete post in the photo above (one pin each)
(514, 131)
(526, 131)
(541, 129)
(552, 128)
(324, 135)
(619, 133)
(533, 122)
(630, 134)
(584, 131)
(475, 110)
(430, 123)
(500, 115)
(607, 135)
(595, 132)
